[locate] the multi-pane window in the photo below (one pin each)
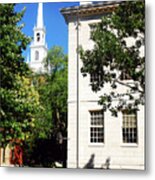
(129, 129)
(125, 76)
(97, 126)
(95, 78)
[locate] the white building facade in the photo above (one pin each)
(95, 138)
(38, 48)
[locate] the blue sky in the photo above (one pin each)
(56, 28)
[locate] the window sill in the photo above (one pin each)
(96, 144)
(129, 145)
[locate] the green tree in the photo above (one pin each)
(52, 88)
(18, 109)
(51, 124)
(56, 87)
(113, 56)
(19, 101)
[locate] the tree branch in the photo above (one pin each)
(129, 86)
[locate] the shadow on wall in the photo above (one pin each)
(106, 165)
(90, 163)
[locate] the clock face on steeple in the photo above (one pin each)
(38, 47)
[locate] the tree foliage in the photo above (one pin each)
(52, 88)
(18, 99)
(17, 110)
(50, 126)
(57, 87)
(118, 50)
(12, 43)
(33, 107)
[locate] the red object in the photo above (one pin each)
(16, 155)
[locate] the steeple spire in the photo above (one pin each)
(40, 23)
(38, 47)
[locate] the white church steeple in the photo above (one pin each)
(38, 48)
(40, 22)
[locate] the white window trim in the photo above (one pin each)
(94, 144)
(129, 145)
(122, 144)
